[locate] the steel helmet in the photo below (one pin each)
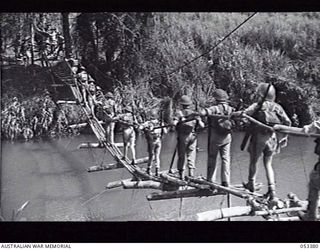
(221, 95)
(262, 91)
(185, 100)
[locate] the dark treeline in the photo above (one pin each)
(131, 54)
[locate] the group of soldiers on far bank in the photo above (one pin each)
(219, 120)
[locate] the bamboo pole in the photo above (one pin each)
(224, 213)
(290, 218)
(137, 161)
(219, 187)
(141, 185)
(194, 192)
(90, 145)
(103, 167)
(176, 181)
(294, 131)
(97, 145)
(115, 184)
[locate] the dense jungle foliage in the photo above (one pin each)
(135, 55)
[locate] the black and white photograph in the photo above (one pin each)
(160, 116)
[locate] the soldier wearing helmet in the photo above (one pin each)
(263, 142)
(187, 137)
(109, 107)
(153, 136)
(314, 179)
(83, 78)
(128, 122)
(219, 136)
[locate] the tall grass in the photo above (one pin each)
(271, 46)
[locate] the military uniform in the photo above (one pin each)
(219, 140)
(153, 137)
(314, 183)
(128, 134)
(109, 106)
(265, 142)
(187, 137)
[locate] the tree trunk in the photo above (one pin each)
(66, 34)
(32, 38)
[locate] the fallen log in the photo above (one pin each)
(141, 185)
(182, 194)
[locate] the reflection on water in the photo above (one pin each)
(51, 175)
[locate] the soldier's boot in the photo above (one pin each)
(149, 170)
(249, 186)
(191, 172)
(271, 194)
(225, 184)
(157, 172)
(181, 174)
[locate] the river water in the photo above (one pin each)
(51, 175)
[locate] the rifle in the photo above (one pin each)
(249, 131)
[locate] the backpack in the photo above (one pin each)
(186, 127)
(268, 116)
(223, 125)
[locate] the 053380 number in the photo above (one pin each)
(308, 245)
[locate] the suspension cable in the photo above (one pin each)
(207, 52)
(194, 59)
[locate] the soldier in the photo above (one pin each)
(84, 80)
(219, 136)
(153, 136)
(264, 142)
(314, 183)
(128, 122)
(187, 137)
(92, 97)
(109, 106)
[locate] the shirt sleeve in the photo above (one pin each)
(212, 110)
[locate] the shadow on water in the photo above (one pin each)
(52, 175)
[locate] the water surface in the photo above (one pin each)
(51, 174)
